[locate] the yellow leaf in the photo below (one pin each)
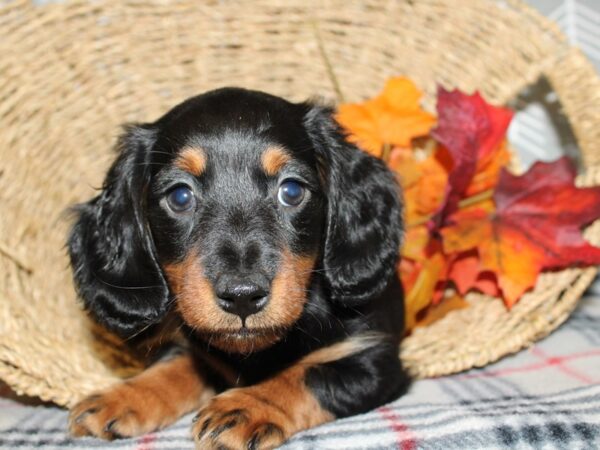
(439, 311)
(420, 294)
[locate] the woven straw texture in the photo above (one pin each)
(72, 72)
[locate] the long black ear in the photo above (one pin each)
(112, 254)
(364, 217)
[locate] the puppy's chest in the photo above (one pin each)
(248, 369)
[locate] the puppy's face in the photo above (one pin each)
(222, 209)
(236, 211)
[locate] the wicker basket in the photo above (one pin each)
(72, 72)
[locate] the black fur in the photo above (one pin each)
(364, 222)
(111, 249)
(351, 220)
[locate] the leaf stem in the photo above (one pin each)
(477, 198)
(386, 151)
(464, 203)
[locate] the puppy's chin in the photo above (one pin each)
(242, 340)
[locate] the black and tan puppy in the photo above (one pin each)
(250, 223)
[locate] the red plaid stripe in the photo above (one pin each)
(406, 438)
(559, 362)
(146, 442)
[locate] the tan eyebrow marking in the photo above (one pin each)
(192, 160)
(273, 159)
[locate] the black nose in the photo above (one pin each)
(241, 297)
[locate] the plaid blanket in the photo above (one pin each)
(547, 397)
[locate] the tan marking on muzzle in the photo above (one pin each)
(196, 302)
(195, 297)
(288, 292)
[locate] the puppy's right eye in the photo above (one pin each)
(291, 193)
(181, 199)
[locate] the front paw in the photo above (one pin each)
(238, 419)
(115, 413)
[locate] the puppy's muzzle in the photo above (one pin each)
(241, 296)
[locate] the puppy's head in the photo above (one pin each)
(227, 208)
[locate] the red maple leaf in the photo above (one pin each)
(537, 225)
(470, 129)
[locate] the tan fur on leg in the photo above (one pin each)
(152, 400)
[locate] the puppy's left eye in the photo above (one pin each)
(291, 193)
(181, 199)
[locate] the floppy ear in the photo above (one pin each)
(364, 217)
(112, 254)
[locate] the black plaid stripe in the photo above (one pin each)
(587, 325)
(478, 388)
(434, 424)
(487, 411)
(552, 435)
(586, 318)
(567, 417)
(370, 428)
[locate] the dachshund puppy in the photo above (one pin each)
(248, 225)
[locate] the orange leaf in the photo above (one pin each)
(415, 243)
(408, 270)
(394, 117)
(467, 274)
(488, 170)
(436, 312)
(501, 249)
(423, 182)
(403, 162)
(536, 225)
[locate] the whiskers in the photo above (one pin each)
(116, 286)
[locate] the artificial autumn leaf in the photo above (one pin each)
(419, 292)
(415, 243)
(425, 176)
(536, 225)
(466, 273)
(403, 162)
(408, 271)
(470, 226)
(488, 170)
(423, 182)
(471, 130)
(393, 118)
(437, 312)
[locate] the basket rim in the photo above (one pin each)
(561, 66)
